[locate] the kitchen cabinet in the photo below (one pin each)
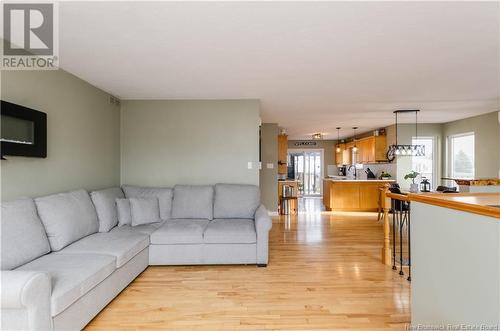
(282, 154)
(352, 195)
(371, 149)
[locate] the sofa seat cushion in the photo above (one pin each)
(230, 231)
(122, 245)
(180, 231)
(22, 235)
(143, 228)
(236, 200)
(67, 217)
(72, 275)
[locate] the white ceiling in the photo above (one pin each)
(314, 66)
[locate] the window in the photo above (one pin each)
(461, 155)
(425, 165)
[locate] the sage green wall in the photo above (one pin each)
(83, 135)
(486, 130)
(168, 142)
(269, 176)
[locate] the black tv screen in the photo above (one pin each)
(23, 131)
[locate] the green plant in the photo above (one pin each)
(385, 174)
(412, 175)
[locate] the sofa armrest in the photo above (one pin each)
(25, 300)
(263, 223)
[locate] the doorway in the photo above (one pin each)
(306, 166)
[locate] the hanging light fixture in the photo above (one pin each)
(355, 148)
(405, 150)
(338, 140)
(317, 136)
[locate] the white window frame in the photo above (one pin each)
(449, 153)
(435, 153)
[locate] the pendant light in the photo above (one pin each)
(338, 140)
(405, 150)
(355, 148)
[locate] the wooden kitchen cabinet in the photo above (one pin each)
(282, 154)
(372, 149)
(353, 195)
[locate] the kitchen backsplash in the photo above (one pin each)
(376, 169)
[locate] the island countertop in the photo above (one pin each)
(487, 204)
(359, 180)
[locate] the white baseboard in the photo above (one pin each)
(273, 213)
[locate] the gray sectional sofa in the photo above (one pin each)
(66, 256)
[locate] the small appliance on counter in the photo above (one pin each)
(342, 170)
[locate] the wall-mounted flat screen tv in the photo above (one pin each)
(23, 131)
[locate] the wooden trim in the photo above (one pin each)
(449, 201)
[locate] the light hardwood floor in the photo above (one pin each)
(324, 273)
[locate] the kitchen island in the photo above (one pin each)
(455, 247)
(352, 194)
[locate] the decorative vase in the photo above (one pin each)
(414, 188)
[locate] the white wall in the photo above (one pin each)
(168, 142)
(83, 135)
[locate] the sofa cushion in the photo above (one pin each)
(72, 275)
(143, 228)
(163, 194)
(230, 231)
(180, 231)
(236, 201)
(192, 201)
(23, 237)
(144, 211)
(122, 245)
(123, 210)
(67, 217)
(105, 206)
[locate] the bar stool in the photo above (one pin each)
(401, 215)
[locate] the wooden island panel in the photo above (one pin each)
(352, 195)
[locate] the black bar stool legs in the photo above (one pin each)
(394, 219)
(401, 224)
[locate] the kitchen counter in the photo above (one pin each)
(352, 194)
(360, 180)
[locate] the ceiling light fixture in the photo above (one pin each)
(317, 136)
(338, 140)
(355, 148)
(405, 150)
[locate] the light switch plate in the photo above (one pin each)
(249, 165)
(270, 165)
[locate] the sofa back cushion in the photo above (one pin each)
(23, 237)
(144, 211)
(105, 206)
(67, 217)
(236, 200)
(163, 194)
(193, 201)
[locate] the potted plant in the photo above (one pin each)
(413, 186)
(385, 175)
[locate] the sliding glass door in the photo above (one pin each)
(308, 170)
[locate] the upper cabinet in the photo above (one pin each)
(370, 150)
(282, 154)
